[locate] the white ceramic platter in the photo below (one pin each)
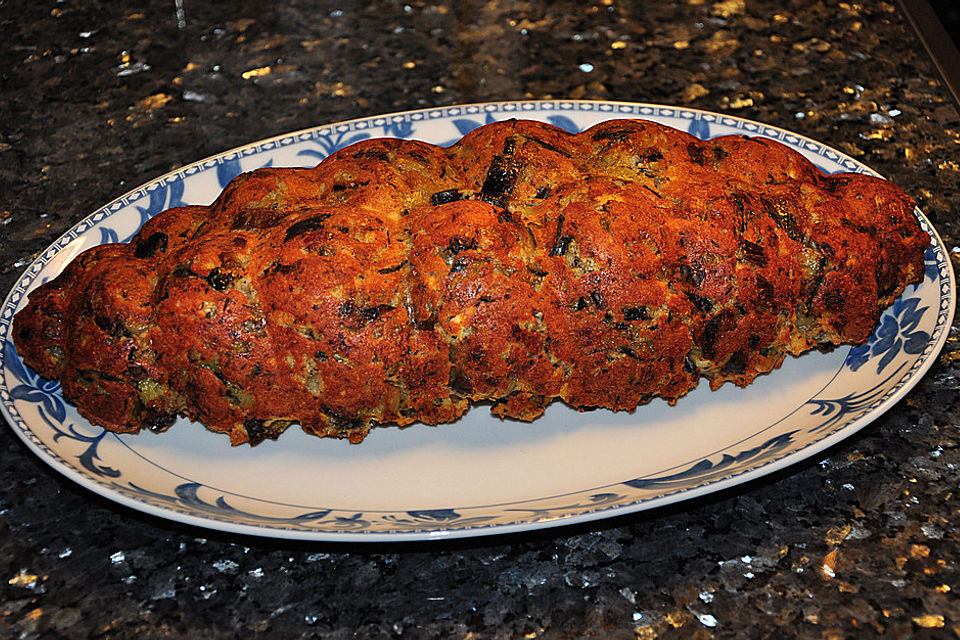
(480, 475)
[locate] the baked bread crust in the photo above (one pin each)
(399, 281)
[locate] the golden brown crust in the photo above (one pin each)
(399, 281)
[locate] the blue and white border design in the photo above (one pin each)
(871, 379)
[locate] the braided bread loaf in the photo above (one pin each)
(399, 281)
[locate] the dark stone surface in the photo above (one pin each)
(99, 97)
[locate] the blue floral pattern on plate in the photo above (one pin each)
(155, 475)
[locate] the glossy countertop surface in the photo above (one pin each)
(97, 98)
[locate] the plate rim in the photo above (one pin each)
(908, 382)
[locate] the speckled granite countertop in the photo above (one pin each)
(862, 541)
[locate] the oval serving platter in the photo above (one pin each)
(480, 475)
